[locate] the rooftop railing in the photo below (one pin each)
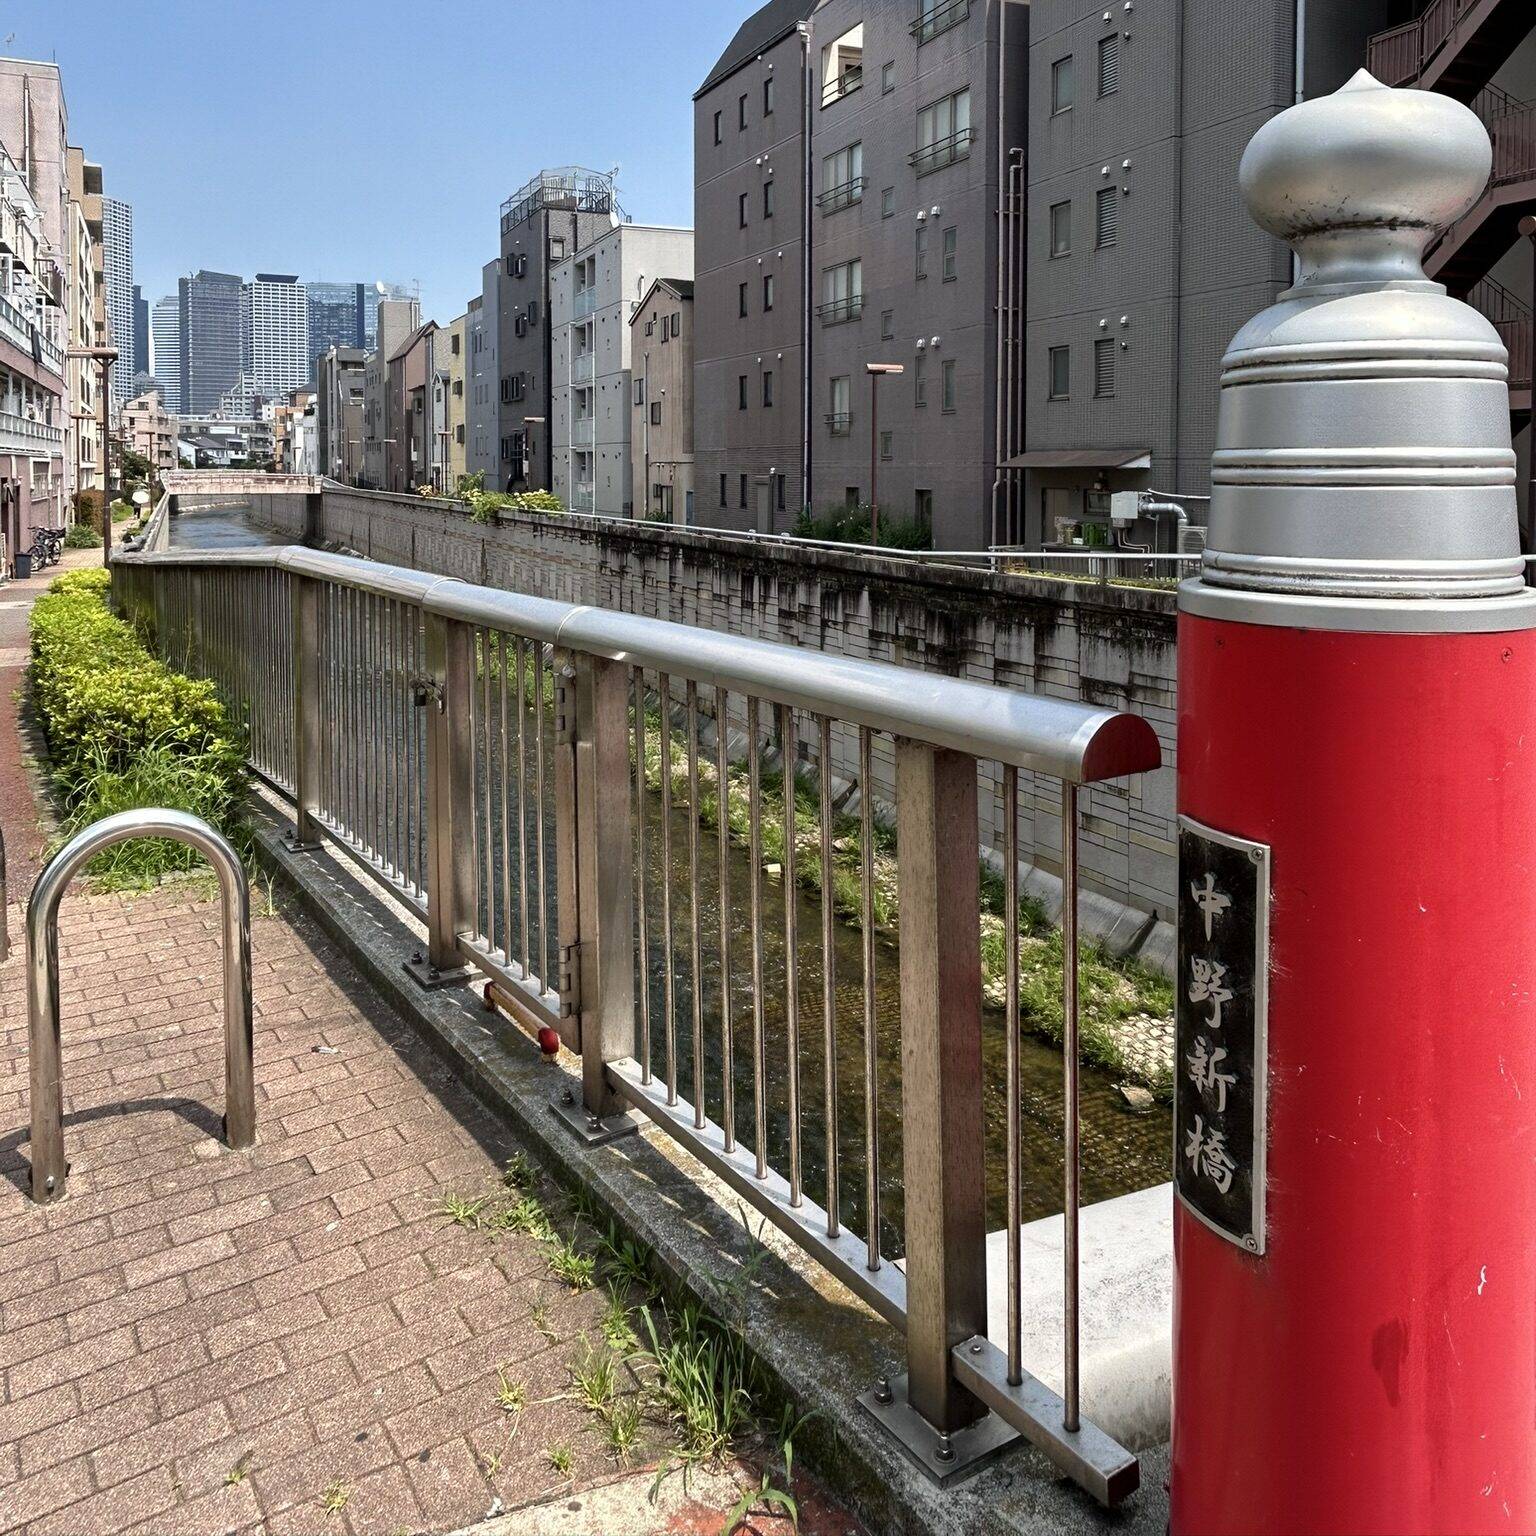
(539, 783)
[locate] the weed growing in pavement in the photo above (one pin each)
(465, 1213)
(595, 1379)
(702, 1379)
(568, 1264)
(240, 1471)
(529, 1216)
(560, 1459)
(518, 1173)
(621, 1427)
(772, 1498)
(335, 1498)
(625, 1260)
(539, 1311)
(511, 1396)
(617, 1331)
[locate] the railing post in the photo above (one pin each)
(450, 800)
(597, 839)
(943, 1157)
(304, 835)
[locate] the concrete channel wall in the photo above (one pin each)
(1104, 645)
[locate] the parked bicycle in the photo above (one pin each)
(47, 547)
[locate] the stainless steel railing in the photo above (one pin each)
(536, 780)
(49, 1168)
(5, 907)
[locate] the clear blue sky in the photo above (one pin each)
(363, 139)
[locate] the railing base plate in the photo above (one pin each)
(291, 843)
(430, 979)
(595, 1132)
(968, 1449)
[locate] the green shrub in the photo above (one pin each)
(82, 536)
(88, 508)
(850, 525)
(124, 730)
(485, 505)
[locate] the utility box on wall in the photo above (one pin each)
(1123, 507)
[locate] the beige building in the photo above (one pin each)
(661, 424)
(286, 417)
(448, 461)
(150, 431)
(87, 317)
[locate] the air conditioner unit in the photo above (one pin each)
(1124, 508)
(1191, 539)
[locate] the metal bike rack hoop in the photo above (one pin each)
(49, 1169)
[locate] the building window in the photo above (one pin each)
(768, 386)
(920, 380)
(767, 292)
(886, 440)
(557, 248)
(842, 178)
(639, 391)
(664, 332)
(768, 96)
(741, 305)
(742, 490)
(741, 210)
(768, 199)
(943, 133)
(887, 202)
(922, 250)
(677, 323)
(887, 324)
(839, 418)
(1104, 369)
(1061, 229)
(506, 390)
(741, 392)
(947, 384)
(842, 292)
(1109, 64)
(741, 113)
(887, 78)
(655, 413)
(950, 236)
(1060, 371)
(778, 491)
(922, 510)
(717, 127)
(1106, 216)
(1063, 85)
(722, 491)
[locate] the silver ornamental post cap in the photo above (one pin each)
(1363, 460)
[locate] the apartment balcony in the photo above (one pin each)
(1453, 46)
(21, 435)
(939, 18)
(843, 196)
(942, 152)
(586, 302)
(584, 431)
(581, 496)
(841, 311)
(18, 234)
(842, 85)
(582, 368)
(839, 423)
(24, 334)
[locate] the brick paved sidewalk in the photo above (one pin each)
(198, 1340)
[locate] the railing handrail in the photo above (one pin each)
(1077, 743)
(49, 1168)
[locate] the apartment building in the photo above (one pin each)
(165, 351)
(450, 423)
(1142, 263)
(394, 321)
(85, 311)
(409, 448)
(274, 334)
(140, 332)
(661, 395)
(552, 216)
(34, 331)
(339, 413)
(149, 430)
(593, 295)
(210, 339)
(118, 290)
(481, 375)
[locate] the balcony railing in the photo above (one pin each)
(842, 85)
(23, 333)
(939, 18)
(581, 368)
(469, 824)
(839, 423)
(586, 302)
(581, 496)
(20, 434)
(1399, 55)
(839, 311)
(942, 152)
(841, 196)
(1511, 318)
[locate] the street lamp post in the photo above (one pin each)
(875, 370)
(104, 357)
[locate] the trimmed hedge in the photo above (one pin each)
(124, 730)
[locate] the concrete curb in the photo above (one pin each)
(817, 1343)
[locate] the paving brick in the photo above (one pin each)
(85, 1431)
(129, 1503)
(71, 1361)
(158, 1443)
(34, 1497)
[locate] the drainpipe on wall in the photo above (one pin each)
(805, 30)
(1003, 188)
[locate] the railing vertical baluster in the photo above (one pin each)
(755, 855)
(469, 919)
(943, 1155)
(871, 1040)
(487, 725)
(304, 607)
(450, 791)
(829, 978)
(504, 843)
(545, 976)
(1015, 1171)
(522, 803)
(1069, 1047)
(569, 810)
(723, 849)
(791, 951)
(641, 918)
(668, 986)
(695, 926)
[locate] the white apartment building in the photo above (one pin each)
(165, 350)
(593, 294)
(274, 334)
(117, 268)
